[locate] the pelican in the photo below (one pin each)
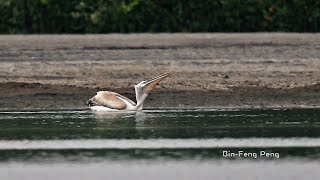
(112, 101)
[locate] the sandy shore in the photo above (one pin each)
(209, 70)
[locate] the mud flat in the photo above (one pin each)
(209, 70)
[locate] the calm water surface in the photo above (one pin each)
(161, 143)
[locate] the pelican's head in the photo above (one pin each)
(148, 85)
(145, 87)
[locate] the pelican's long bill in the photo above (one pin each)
(153, 82)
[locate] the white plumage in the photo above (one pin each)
(112, 101)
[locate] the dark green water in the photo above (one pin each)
(166, 143)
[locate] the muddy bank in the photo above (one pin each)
(38, 96)
(209, 70)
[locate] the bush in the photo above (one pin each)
(123, 16)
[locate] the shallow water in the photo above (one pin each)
(162, 143)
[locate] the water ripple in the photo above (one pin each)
(158, 143)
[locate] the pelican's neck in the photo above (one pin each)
(140, 97)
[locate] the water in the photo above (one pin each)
(161, 143)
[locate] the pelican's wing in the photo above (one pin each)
(109, 99)
(125, 98)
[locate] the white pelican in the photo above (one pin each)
(112, 101)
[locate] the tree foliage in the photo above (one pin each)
(124, 16)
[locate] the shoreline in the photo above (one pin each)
(41, 96)
(211, 70)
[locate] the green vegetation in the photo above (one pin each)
(106, 16)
